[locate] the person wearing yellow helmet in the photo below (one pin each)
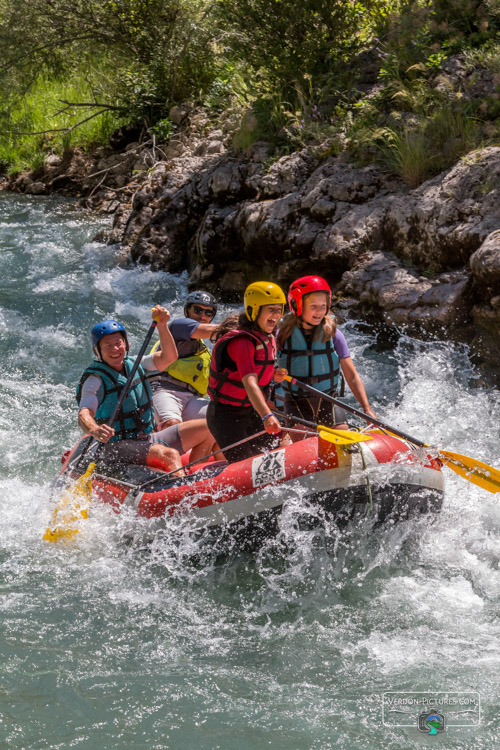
(241, 371)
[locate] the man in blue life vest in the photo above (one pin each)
(179, 390)
(131, 438)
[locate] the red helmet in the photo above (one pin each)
(306, 285)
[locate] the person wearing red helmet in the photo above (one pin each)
(312, 349)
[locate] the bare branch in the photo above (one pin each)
(35, 132)
(58, 130)
(89, 104)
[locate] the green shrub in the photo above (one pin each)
(427, 147)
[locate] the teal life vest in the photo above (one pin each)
(136, 415)
(316, 364)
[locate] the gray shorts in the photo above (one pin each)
(178, 404)
(136, 451)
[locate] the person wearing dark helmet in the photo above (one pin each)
(312, 349)
(179, 391)
(130, 439)
(241, 371)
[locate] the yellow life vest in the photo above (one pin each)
(193, 370)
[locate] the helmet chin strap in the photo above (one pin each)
(304, 324)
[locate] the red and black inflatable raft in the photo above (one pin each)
(388, 475)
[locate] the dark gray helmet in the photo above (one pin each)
(200, 298)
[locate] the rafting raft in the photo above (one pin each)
(387, 476)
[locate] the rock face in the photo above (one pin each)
(426, 260)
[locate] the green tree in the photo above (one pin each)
(292, 40)
(160, 50)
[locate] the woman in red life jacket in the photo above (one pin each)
(313, 350)
(241, 372)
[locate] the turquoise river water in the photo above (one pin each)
(300, 646)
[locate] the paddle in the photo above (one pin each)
(469, 468)
(335, 437)
(340, 437)
(75, 501)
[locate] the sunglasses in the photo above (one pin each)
(203, 311)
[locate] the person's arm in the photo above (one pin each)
(92, 391)
(167, 351)
(259, 402)
(87, 423)
(203, 331)
(356, 385)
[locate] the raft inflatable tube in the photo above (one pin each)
(385, 476)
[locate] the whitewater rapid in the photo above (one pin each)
(112, 645)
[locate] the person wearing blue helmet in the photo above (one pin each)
(179, 391)
(130, 439)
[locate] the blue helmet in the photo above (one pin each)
(104, 329)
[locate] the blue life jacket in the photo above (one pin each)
(136, 415)
(316, 364)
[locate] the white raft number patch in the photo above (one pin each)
(268, 468)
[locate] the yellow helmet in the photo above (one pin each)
(261, 293)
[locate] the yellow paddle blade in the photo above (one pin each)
(341, 437)
(473, 470)
(72, 507)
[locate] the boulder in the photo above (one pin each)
(36, 188)
(485, 263)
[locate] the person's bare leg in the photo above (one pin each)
(196, 437)
(165, 459)
(168, 423)
(218, 455)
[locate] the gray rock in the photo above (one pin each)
(260, 152)
(178, 113)
(53, 160)
(424, 258)
(36, 188)
(215, 147)
(485, 262)
(286, 175)
(174, 149)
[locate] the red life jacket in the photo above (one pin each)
(224, 384)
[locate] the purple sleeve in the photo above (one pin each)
(340, 345)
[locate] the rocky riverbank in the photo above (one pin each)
(425, 260)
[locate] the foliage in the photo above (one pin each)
(418, 148)
(34, 115)
(360, 75)
(160, 50)
(487, 56)
(292, 41)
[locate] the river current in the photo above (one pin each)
(298, 646)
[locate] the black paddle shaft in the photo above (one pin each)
(293, 418)
(357, 412)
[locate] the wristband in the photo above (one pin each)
(267, 415)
